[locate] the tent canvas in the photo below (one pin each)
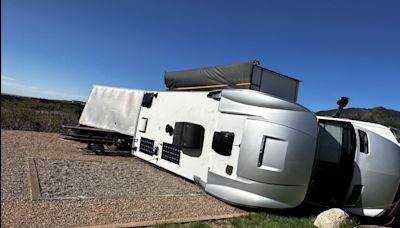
(245, 75)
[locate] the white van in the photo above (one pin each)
(357, 167)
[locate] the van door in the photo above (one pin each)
(334, 165)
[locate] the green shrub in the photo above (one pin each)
(31, 114)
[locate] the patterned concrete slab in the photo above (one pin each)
(64, 179)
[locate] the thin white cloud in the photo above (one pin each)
(7, 78)
(63, 95)
(9, 83)
(18, 85)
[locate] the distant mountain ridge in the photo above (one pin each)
(380, 115)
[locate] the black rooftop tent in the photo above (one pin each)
(245, 75)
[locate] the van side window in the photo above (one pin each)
(330, 142)
(363, 142)
(336, 142)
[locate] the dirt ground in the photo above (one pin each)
(49, 182)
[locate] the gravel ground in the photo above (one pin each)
(78, 189)
(95, 179)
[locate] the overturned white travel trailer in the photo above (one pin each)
(235, 130)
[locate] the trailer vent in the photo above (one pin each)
(146, 146)
(148, 99)
(171, 153)
(222, 142)
(188, 135)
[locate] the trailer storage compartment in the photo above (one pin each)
(246, 75)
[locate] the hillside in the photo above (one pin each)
(35, 114)
(380, 115)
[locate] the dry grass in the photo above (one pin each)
(31, 114)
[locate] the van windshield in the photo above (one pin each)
(336, 141)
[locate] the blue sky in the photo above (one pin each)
(59, 49)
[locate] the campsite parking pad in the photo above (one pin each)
(48, 182)
(96, 179)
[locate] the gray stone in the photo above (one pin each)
(331, 218)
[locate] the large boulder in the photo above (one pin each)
(331, 218)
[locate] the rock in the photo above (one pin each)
(331, 218)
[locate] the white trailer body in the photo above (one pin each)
(249, 144)
(272, 153)
(242, 146)
(167, 109)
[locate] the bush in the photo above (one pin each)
(31, 114)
